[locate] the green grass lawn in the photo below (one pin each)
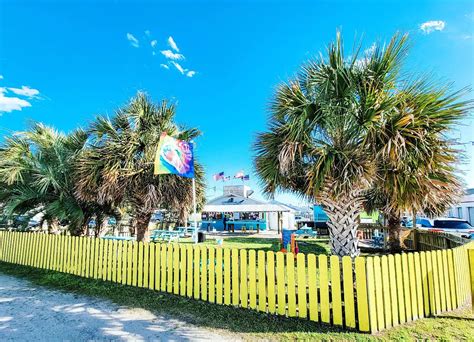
(242, 323)
(316, 246)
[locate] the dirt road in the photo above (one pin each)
(32, 313)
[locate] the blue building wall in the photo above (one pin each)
(319, 214)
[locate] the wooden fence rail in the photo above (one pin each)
(368, 293)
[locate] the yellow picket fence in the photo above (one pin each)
(368, 293)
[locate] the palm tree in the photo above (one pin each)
(340, 121)
(117, 166)
(36, 176)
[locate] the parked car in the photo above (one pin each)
(454, 226)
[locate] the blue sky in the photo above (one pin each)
(64, 62)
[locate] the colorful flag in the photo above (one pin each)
(246, 177)
(174, 156)
(227, 178)
(218, 176)
(239, 174)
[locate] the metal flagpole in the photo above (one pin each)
(195, 209)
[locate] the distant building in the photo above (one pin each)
(465, 208)
(235, 210)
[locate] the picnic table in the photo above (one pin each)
(171, 235)
(125, 238)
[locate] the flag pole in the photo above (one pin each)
(194, 216)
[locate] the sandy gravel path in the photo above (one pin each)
(32, 313)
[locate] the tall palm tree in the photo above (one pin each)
(36, 176)
(117, 166)
(339, 121)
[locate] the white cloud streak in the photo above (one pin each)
(165, 66)
(191, 73)
(133, 41)
(172, 44)
(171, 55)
(1, 77)
(153, 43)
(432, 25)
(25, 91)
(8, 104)
(179, 67)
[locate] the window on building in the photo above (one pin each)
(459, 212)
(470, 212)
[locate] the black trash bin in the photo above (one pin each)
(201, 237)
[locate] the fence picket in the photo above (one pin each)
(281, 282)
(271, 282)
(361, 290)
(169, 268)
(406, 288)
(227, 288)
(235, 277)
(302, 294)
(290, 276)
(413, 294)
(182, 267)
(176, 263)
(349, 306)
(219, 265)
(252, 287)
(447, 288)
(204, 272)
(336, 290)
(324, 289)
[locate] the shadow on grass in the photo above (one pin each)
(189, 310)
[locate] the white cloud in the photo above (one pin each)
(8, 104)
(153, 43)
(172, 44)
(179, 67)
(147, 33)
(1, 77)
(164, 66)
(25, 91)
(133, 41)
(432, 25)
(171, 55)
(191, 73)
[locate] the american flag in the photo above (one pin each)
(226, 178)
(239, 174)
(246, 177)
(218, 176)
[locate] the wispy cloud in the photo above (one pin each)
(433, 25)
(147, 33)
(179, 67)
(153, 43)
(191, 73)
(171, 55)
(133, 41)
(25, 91)
(9, 104)
(164, 66)
(470, 15)
(172, 44)
(1, 77)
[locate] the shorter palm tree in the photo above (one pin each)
(117, 165)
(36, 176)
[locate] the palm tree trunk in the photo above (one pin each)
(141, 223)
(394, 229)
(343, 223)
